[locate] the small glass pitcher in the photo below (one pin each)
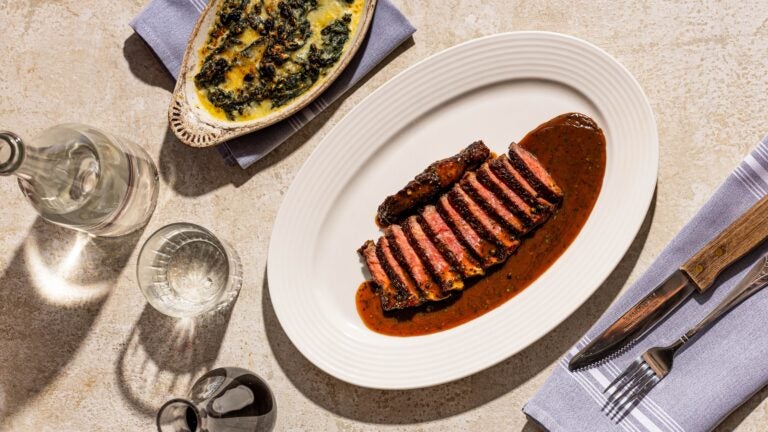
(82, 178)
(228, 399)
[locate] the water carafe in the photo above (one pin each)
(227, 399)
(82, 178)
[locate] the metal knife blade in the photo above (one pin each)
(636, 321)
(697, 274)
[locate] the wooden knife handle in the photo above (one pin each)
(743, 235)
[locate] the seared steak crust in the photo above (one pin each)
(488, 253)
(382, 284)
(538, 177)
(482, 223)
(431, 256)
(528, 215)
(437, 178)
(408, 259)
(407, 293)
(447, 243)
(515, 181)
(493, 205)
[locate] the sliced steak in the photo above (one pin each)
(493, 205)
(488, 252)
(408, 259)
(529, 215)
(436, 179)
(481, 222)
(459, 217)
(383, 285)
(536, 175)
(449, 245)
(407, 293)
(515, 181)
(431, 257)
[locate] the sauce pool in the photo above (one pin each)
(574, 154)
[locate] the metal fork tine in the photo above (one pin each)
(637, 394)
(627, 385)
(652, 381)
(624, 394)
(632, 368)
(633, 391)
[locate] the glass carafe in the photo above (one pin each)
(226, 399)
(82, 178)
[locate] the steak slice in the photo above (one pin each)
(529, 215)
(536, 175)
(437, 178)
(449, 245)
(409, 260)
(431, 257)
(515, 181)
(488, 252)
(481, 222)
(493, 205)
(383, 285)
(407, 293)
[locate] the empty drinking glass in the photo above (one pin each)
(184, 270)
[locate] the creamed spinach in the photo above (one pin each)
(269, 52)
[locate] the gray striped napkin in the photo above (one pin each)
(713, 375)
(166, 25)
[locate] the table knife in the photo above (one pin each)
(697, 275)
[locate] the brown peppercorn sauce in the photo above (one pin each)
(575, 157)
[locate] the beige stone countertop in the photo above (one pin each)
(80, 349)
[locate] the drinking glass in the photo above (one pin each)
(184, 270)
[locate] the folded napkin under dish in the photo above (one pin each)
(166, 25)
(713, 374)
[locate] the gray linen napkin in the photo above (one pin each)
(714, 373)
(166, 25)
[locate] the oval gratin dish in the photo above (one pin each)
(195, 126)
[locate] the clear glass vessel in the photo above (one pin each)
(223, 400)
(82, 178)
(184, 270)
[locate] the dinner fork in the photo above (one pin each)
(655, 364)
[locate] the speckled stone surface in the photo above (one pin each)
(80, 350)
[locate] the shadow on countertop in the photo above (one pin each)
(197, 171)
(163, 356)
(145, 65)
(52, 292)
(433, 403)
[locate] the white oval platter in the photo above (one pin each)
(495, 88)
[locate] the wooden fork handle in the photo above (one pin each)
(743, 235)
